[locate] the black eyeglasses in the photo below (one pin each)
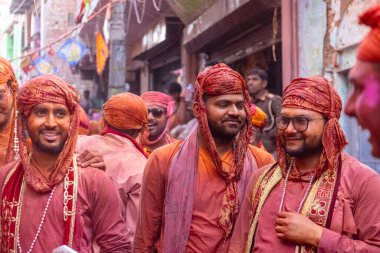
(157, 112)
(300, 123)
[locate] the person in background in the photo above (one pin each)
(160, 110)
(257, 81)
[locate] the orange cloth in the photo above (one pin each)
(7, 76)
(221, 80)
(317, 94)
(84, 123)
(259, 117)
(42, 89)
(126, 111)
(206, 235)
(369, 48)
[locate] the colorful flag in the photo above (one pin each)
(102, 53)
(44, 66)
(72, 51)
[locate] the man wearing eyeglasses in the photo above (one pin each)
(160, 110)
(192, 189)
(125, 117)
(364, 103)
(315, 198)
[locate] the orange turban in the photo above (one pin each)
(125, 111)
(317, 94)
(369, 48)
(215, 81)
(259, 117)
(84, 124)
(7, 75)
(47, 89)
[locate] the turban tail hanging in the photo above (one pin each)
(214, 81)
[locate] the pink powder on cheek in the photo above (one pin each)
(371, 92)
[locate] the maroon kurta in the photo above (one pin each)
(355, 225)
(100, 215)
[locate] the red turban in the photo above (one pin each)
(317, 94)
(7, 75)
(47, 89)
(215, 81)
(125, 111)
(155, 98)
(369, 48)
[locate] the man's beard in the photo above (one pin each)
(50, 150)
(305, 150)
(219, 133)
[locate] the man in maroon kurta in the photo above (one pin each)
(192, 189)
(364, 102)
(46, 201)
(317, 198)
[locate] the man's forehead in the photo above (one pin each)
(293, 112)
(229, 97)
(50, 105)
(4, 86)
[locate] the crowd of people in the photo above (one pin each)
(223, 166)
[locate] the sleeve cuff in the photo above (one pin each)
(329, 241)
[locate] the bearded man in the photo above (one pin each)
(192, 189)
(46, 200)
(160, 110)
(316, 198)
(125, 117)
(364, 103)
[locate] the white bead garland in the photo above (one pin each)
(286, 184)
(39, 226)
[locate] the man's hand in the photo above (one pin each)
(297, 228)
(91, 158)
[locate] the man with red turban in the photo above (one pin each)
(46, 200)
(192, 190)
(364, 103)
(160, 110)
(125, 117)
(8, 130)
(315, 198)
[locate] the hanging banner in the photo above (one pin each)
(72, 51)
(102, 53)
(44, 66)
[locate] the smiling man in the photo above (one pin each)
(160, 109)
(46, 200)
(317, 198)
(192, 189)
(364, 103)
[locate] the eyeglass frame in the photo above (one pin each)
(294, 125)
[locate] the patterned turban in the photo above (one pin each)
(369, 48)
(47, 89)
(84, 123)
(215, 81)
(259, 117)
(7, 75)
(155, 98)
(317, 94)
(125, 111)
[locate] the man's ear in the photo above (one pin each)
(265, 83)
(196, 109)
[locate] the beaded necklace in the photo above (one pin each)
(285, 185)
